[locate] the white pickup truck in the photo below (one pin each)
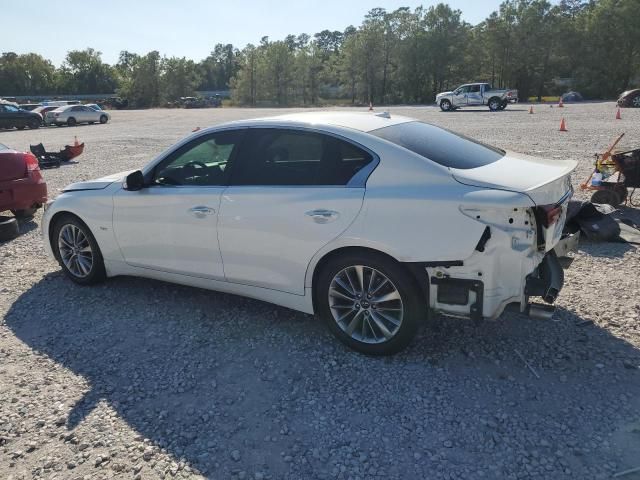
(475, 94)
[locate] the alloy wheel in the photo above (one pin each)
(75, 250)
(636, 101)
(365, 304)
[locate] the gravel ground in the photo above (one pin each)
(142, 379)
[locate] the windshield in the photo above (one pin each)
(440, 145)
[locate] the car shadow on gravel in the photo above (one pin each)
(228, 384)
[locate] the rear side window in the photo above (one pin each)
(287, 157)
(440, 145)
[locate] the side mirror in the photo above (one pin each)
(134, 181)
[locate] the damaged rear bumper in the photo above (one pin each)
(547, 280)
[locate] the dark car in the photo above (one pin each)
(572, 97)
(12, 116)
(630, 98)
(22, 188)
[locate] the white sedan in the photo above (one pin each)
(73, 114)
(371, 221)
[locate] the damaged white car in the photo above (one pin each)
(373, 222)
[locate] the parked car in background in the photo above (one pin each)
(12, 116)
(476, 94)
(630, 98)
(29, 106)
(73, 114)
(22, 188)
(570, 97)
(42, 111)
(370, 221)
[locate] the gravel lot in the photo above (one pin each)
(142, 379)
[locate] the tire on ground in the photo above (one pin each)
(8, 228)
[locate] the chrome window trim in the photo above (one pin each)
(359, 180)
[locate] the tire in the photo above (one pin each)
(83, 269)
(71, 122)
(366, 335)
(635, 101)
(445, 106)
(25, 213)
(34, 124)
(503, 105)
(8, 228)
(91, 123)
(20, 127)
(103, 119)
(610, 197)
(622, 192)
(494, 104)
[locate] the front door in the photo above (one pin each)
(290, 195)
(460, 96)
(171, 225)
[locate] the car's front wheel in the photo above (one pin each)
(445, 105)
(635, 102)
(103, 119)
(71, 122)
(77, 251)
(369, 302)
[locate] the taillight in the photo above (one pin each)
(549, 214)
(32, 162)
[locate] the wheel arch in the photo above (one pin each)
(318, 264)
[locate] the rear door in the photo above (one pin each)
(293, 191)
(475, 95)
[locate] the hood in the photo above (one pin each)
(544, 181)
(98, 183)
(444, 93)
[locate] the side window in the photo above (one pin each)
(205, 161)
(297, 158)
(474, 88)
(462, 90)
(11, 108)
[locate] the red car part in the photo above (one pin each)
(21, 184)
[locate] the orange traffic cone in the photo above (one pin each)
(75, 141)
(370, 106)
(530, 109)
(560, 104)
(618, 116)
(563, 127)
(195, 129)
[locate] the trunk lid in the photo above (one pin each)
(12, 165)
(544, 181)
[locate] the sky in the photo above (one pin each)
(180, 28)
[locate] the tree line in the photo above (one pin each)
(400, 56)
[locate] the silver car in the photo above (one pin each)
(74, 114)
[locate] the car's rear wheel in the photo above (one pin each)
(34, 123)
(369, 302)
(445, 105)
(8, 228)
(20, 127)
(103, 119)
(77, 251)
(71, 122)
(494, 104)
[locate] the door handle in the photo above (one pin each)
(322, 215)
(202, 210)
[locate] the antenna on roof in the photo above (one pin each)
(383, 115)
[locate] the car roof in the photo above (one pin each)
(361, 121)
